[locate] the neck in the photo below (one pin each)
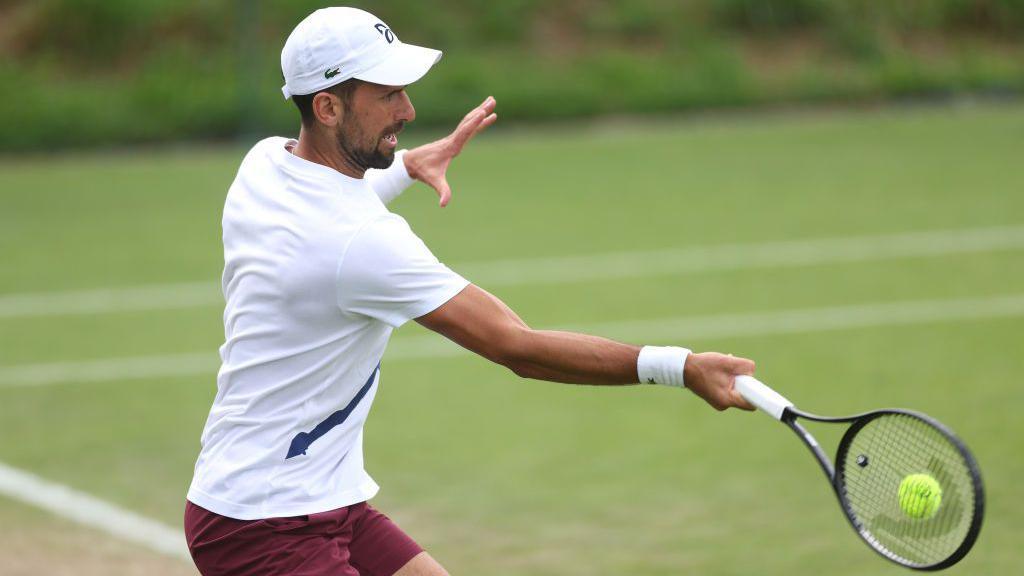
(317, 147)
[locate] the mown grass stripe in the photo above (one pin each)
(569, 269)
(680, 330)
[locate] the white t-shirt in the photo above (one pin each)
(317, 274)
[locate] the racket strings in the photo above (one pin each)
(907, 534)
(879, 456)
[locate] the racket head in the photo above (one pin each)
(876, 453)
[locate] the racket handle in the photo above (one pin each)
(761, 396)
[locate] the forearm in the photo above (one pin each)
(572, 358)
(482, 323)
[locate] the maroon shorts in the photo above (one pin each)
(353, 541)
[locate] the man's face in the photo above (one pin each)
(374, 115)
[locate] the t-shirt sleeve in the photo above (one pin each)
(388, 273)
(390, 182)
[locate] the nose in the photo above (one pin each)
(406, 111)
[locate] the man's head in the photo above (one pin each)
(346, 71)
(362, 118)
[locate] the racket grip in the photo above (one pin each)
(761, 396)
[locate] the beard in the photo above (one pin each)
(366, 156)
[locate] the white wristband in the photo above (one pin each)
(662, 365)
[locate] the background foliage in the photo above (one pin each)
(86, 72)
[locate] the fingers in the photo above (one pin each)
(740, 365)
(486, 122)
(477, 120)
(444, 191)
(466, 129)
(740, 402)
(488, 105)
(470, 119)
(482, 111)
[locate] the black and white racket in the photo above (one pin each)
(883, 460)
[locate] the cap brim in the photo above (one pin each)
(406, 65)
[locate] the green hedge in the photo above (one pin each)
(87, 72)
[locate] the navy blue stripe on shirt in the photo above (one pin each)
(302, 440)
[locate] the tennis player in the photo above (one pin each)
(317, 274)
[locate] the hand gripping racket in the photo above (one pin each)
(876, 455)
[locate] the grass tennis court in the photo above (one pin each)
(495, 475)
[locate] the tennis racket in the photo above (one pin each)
(878, 451)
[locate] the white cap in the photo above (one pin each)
(335, 44)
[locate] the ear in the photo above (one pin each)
(328, 109)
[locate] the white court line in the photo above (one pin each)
(790, 253)
(131, 368)
(678, 330)
(91, 511)
(155, 297)
(567, 269)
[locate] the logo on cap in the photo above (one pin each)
(332, 73)
(385, 32)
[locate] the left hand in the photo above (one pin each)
(429, 163)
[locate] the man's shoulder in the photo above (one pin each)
(257, 161)
(270, 142)
(263, 150)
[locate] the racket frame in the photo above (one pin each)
(789, 416)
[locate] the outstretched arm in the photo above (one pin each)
(480, 322)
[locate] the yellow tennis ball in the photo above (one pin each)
(920, 496)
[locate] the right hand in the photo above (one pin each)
(710, 375)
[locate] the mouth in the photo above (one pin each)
(390, 138)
